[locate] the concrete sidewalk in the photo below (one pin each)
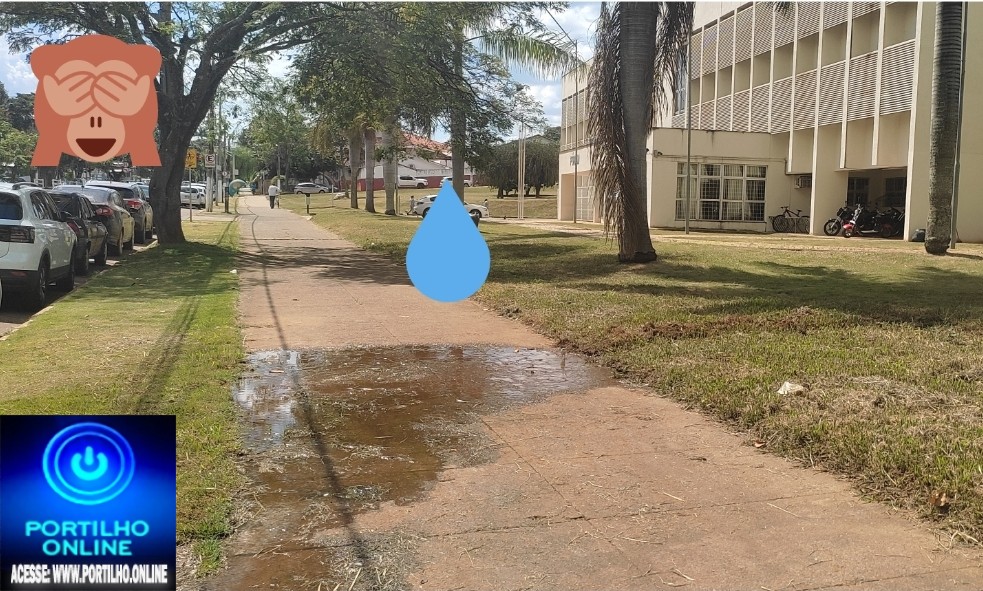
(611, 488)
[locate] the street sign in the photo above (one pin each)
(191, 160)
(225, 174)
(209, 160)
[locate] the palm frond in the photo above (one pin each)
(674, 29)
(544, 53)
(605, 120)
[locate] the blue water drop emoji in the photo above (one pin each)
(448, 259)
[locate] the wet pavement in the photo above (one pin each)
(380, 468)
(331, 434)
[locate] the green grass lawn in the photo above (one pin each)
(888, 342)
(543, 207)
(155, 334)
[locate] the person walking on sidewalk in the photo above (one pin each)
(274, 192)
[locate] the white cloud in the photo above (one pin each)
(15, 73)
(578, 20)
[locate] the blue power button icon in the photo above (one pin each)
(88, 463)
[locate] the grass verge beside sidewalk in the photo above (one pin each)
(888, 345)
(156, 334)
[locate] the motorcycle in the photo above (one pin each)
(896, 217)
(867, 223)
(833, 225)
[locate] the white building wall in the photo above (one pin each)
(843, 87)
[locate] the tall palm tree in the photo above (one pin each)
(946, 82)
(506, 31)
(638, 46)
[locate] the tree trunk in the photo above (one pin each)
(354, 159)
(165, 195)
(459, 123)
(945, 125)
(370, 170)
(390, 170)
(638, 28)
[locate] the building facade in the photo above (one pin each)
(825, 104)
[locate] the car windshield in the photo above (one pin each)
(125, 192)
(10, 208)
(66, 203)
(96, 196)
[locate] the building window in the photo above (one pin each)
(682, 83)
(896, 188)
(857, 191)
(722, 192)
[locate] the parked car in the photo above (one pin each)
(36, 244)
(423, 204)
(310, 188)
(138, 205)
(111, 211)
(447, 180)
(192, 196)
(406, 181)
(92, 237)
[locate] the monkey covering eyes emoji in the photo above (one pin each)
(95, 100)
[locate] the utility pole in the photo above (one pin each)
(576, 123)
(219, 158)
(522, 168)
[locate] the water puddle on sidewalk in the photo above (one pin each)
(331, 434)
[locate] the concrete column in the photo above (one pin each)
(566, 198)
(916, 200)
(969, 209)
(828, 184)
(874, 148)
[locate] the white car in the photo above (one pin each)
(192, 196)
(448, 180)
(423, 204)
(411, 182)
(36, 245)
(310, 188)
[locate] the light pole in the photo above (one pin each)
(689, 131)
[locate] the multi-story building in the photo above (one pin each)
(814, 107)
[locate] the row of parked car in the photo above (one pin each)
(47, 236)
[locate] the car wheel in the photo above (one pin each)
(67, 283)
(129, 245)
(139, 235)
(103, 252)
(424, 214)
(118, 249)
(476, 212)
(37, 297)
(82, 262)
(150, 231)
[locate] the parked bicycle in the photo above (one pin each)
(789, 221)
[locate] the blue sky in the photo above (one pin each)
(578, 20)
